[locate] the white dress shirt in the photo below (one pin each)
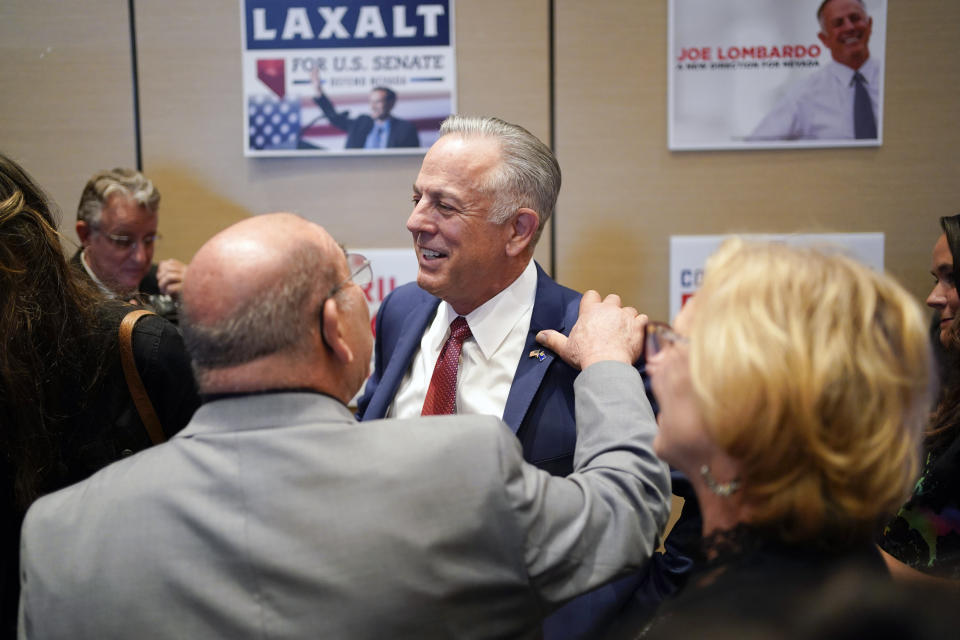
(488, 359)
(820, 107)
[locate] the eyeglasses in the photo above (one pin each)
(128, 243)
(658, 335)
(361, 274)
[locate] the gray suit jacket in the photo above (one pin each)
(280, 516)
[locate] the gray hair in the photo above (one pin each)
(529, 175)
(127, 182)
(824, 4)
(275, 320)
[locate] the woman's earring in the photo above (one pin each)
(722, 489)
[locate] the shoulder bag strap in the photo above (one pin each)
(134, 383)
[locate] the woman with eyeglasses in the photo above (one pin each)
(793, 392)
(923, 540)
(65, 408)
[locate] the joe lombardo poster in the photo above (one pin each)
(325, 77)
(775, 74)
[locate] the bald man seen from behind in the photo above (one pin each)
(274, 514)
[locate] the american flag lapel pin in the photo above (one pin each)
(539, 354)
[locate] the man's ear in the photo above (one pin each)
(523, 228)
(83, 232)
(331, 327)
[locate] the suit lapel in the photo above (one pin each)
(408, 342)
(547, 314)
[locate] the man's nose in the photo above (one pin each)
(141, 253)
(419, 220)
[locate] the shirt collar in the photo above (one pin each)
(86, 267)
(491, 322)
(869, 70)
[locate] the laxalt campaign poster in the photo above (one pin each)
(775, 74)
(324, 77)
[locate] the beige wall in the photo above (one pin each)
(193, 125)
(625, 193)
(66, 108)
(70, 113)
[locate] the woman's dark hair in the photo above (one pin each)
(951, 228)
(946, 417)
(46, 319)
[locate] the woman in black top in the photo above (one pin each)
(924, 536)
(65, 410)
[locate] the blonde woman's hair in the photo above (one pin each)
(812, 371)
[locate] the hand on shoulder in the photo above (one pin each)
(605, 330)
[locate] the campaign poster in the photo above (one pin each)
(689, 255)
(391, 268)
(337, 77)
(748, 74)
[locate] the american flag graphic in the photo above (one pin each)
(274, 123)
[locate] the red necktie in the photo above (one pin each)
(442, 392)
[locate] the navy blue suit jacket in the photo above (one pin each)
(403, 133)
(540, 410)
(539, 406)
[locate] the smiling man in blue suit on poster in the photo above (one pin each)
(379, 130)
(462, 339)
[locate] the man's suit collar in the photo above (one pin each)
(548, 313)
(260, 411)
(83, 270)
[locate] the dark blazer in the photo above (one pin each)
(760, 587)
(102, 424)
(540, 403)
(403, 133)
(148, 291)
(540, 411)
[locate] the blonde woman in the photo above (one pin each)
(793, 392)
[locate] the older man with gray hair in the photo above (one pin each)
(484, 194)
(463, 338)
(274, 514)
(117, 222)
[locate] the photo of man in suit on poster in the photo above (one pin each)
(841, 100)
(379, 130)
(749, 74)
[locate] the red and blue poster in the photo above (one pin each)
(324, 77)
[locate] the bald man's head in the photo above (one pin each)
(255, 289)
